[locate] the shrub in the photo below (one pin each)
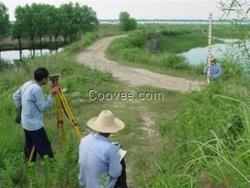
(126, 22)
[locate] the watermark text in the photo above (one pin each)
(122, 95)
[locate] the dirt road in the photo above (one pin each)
(94, 57)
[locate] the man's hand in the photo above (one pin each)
(54, 89)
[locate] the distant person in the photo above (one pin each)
(101, 164)
(215, 69)
(30, 97)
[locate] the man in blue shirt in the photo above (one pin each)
(30, 97)
(101, 165)
(215, 69)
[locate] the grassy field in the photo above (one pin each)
(209, 140)
(78, 80)
(167, 41)
(186, 140)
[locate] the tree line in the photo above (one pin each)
(37, 21)
(38, 26)
(4, 20)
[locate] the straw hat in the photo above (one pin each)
(105, 123)
(212, 58)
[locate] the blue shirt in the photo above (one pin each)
(33, 102)
(215, 70)
(99, 162)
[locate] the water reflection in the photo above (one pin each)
(14, 55)
(234, 48)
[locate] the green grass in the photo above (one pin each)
(192, 74)
(133, 49)
(182, 43)
(77, 79)
(236, 31)
(210, 140)
(198, 136)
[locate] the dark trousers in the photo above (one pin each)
(39, 139)
(122, 180)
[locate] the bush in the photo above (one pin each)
(126, 22)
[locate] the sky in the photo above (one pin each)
(139, 9)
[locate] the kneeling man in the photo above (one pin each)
(99, 159)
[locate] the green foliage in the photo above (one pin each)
(4, 20)
(76, 20)
(38, 21)
(133, 49)
(231, 68)
(126, 22)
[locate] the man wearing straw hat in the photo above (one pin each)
(99, 159)
(215, 69)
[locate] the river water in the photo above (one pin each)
(193, 56)
(13, 55)
(234, 48)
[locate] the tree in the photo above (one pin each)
(66, 14)
(37, 21)
(50, 13)
(40, 20)
(89, 20)
(126, 22)
(19, 31)
(4, 20)
(77, 20)
(25, 25)
(30, 24)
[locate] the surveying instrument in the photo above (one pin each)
(62, 107)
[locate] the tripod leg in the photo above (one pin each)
(60, 122)
(31, 154)
(63, 134)
(69, 113)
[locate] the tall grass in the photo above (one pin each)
(210, 140)
(5, 65)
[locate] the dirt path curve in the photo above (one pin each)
(94, 57)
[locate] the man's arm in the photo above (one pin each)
(115, 167)
(17, 97)
(81, 167)
(41, 102)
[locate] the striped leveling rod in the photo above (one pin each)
(209, 48)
